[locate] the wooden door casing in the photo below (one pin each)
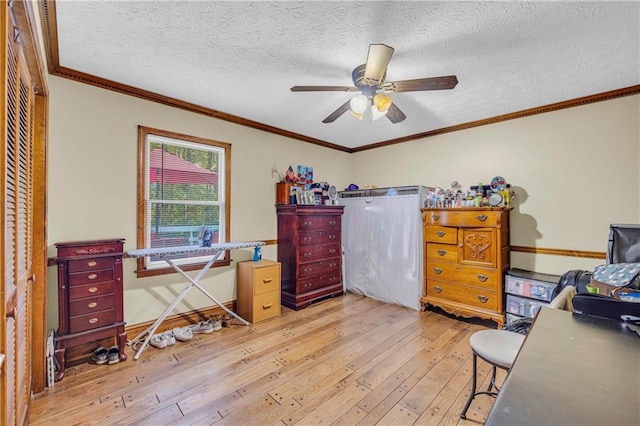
(17, 245)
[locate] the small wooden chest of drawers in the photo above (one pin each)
(466, 256)
(90, 304)
(309, 241)
(258, 290)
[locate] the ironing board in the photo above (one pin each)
(215, 251)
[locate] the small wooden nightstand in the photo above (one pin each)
(258, 290)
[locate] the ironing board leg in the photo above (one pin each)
(193, 282)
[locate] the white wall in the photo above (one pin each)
(575, 171)
(92, 184)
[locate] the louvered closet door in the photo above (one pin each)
(17, 249)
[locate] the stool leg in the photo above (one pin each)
(492, 384)
(472, 395)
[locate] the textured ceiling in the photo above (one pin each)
(241, 58)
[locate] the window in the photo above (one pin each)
(183, 196)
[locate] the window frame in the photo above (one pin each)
(142, 269)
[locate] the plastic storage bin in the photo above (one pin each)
(531, 284)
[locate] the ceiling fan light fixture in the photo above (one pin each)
(358, 104)
(357, 115)
(376, 114)
(382, 102)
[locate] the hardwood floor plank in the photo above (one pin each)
(330, 410)
(345, 361)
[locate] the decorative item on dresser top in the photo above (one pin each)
(466, 255)
(90, 304)
(309, 251)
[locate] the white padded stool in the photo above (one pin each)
(497, 347)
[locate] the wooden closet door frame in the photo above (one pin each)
(20, 15)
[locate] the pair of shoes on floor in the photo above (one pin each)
(163, 340)
(106, 356)
(206, 327)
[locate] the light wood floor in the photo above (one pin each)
(345, 361)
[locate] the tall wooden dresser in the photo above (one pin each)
(90, 304)
(309, 240)
(465, 258)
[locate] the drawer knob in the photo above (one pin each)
(307, 285)
(93, 320)
(482, 217)
(92, 276)
(332, 237)
(435, 216)
(442, 252)
(441, 234)
(332, 222)
(437, 270)
(267, 280)
(482, 278)
(92, 263)
(93, 289)
(92, 305)
(267, 306)
(306, 223)
(306, 239)
(483, 299)
(332, 251)
(306, 254)
(438, 289)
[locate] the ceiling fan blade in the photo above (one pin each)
(377, 61)
(431, 83)
(324, 89)
(337, 113)
(395, 115)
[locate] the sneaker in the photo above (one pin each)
(170, 338)
(202, 327)
(183, 334)
(100, 355)
(113, 356)
(216, 323)
(158, 341)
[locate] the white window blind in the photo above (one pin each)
(184, 194)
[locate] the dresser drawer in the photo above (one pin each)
(89, 290)
(469, 275)
(319, 267)
(266, 305)
(91, 320)
(320, 251)
(320, 237)
(441, 234)
(318, 222)
(88, 277)
(91, 264)
(465, 217)
(266, 279)
(91, 304)
(473, 296)
(320, 281)
(442, 252)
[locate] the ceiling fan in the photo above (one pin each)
(368, 79)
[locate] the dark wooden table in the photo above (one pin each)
(572, 370)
